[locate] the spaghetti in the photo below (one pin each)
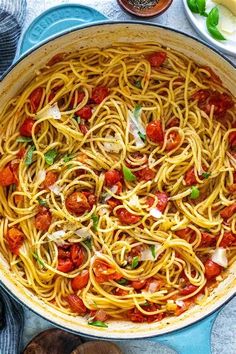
(118, 183)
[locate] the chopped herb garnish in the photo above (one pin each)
(137, 110)
(50, 156)
(42, 202)
(29, 155)
(69, 166)
(138, 84)
(88, 243)
(95, 219)
(142, 136)
(68, 157)
(153, 250)
(134, 263)
(128, 175)
(122, 281)
(206, 175)
(77, 118)
(194, 192)
(38, 259)
(98, 324)
(23, 139)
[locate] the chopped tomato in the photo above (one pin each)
(99, 93)
(85, 112)
(104, 271)
(75, 101)
(137, 316)
(173, 140)
(188, 289)
(83, 128)
(138, 284)
(207, 240)
(222, 102)
(65, 265)
(50, 179)
(186, 305)
(56, 59)
(80, 281)
(157, 59)
(112, 202)
(120, 292)
(184, 232)
(126, 217)
(155, 132)
(190, 178)
(27, 127)
(213, 77)
(21, 153)
(232, 140)
(43, 219)
(76, 304)
(161, 203)
(35, 99)
(15, 239)
(77, 203)
(153, 285)
(64, 251)
(146, 174)
(100, 315)
(8, 176)
(173, 122)
(201, 96)
(112, 177)
(228, 240)
(228, 211)
(212, 269)
(77, 254)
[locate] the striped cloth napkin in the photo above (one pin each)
(12, 14)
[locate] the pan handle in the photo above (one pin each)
(57, 20)
(193, 339)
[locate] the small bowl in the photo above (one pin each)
(155, 10)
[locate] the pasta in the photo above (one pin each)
(118, 182)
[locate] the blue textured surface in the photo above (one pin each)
(56, 20)
(195, 339)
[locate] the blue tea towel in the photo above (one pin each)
(12, 324)
(12, 14)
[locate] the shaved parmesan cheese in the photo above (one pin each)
(179, 303)
(79, 199)
(219, 256)
(83, 232)
(55, 189)
(227, 21)
(136, 127)
(147, 253)
(41, 176)
(229, 4)
(113, 146)
(57, 235)
(51, 112)
(156, 213)
(113, 190)
(134, 200)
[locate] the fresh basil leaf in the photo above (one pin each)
(68, 157)
(192, 4)
(195, 193)
(153, 250)
(38, 259)
(122, 281)
(142, 136)
(137, 110)
(98, 324)
(50, 156)
(215, 33)
(42, 202)
(29, 155)
(206, 175)
(88, 243)
(211, 23)
(95, 219)
(135, 262)
(201, 4)
(128, 175)
(23, 139)
(138, 84)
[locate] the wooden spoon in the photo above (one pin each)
(98, 347)
(53, 341)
